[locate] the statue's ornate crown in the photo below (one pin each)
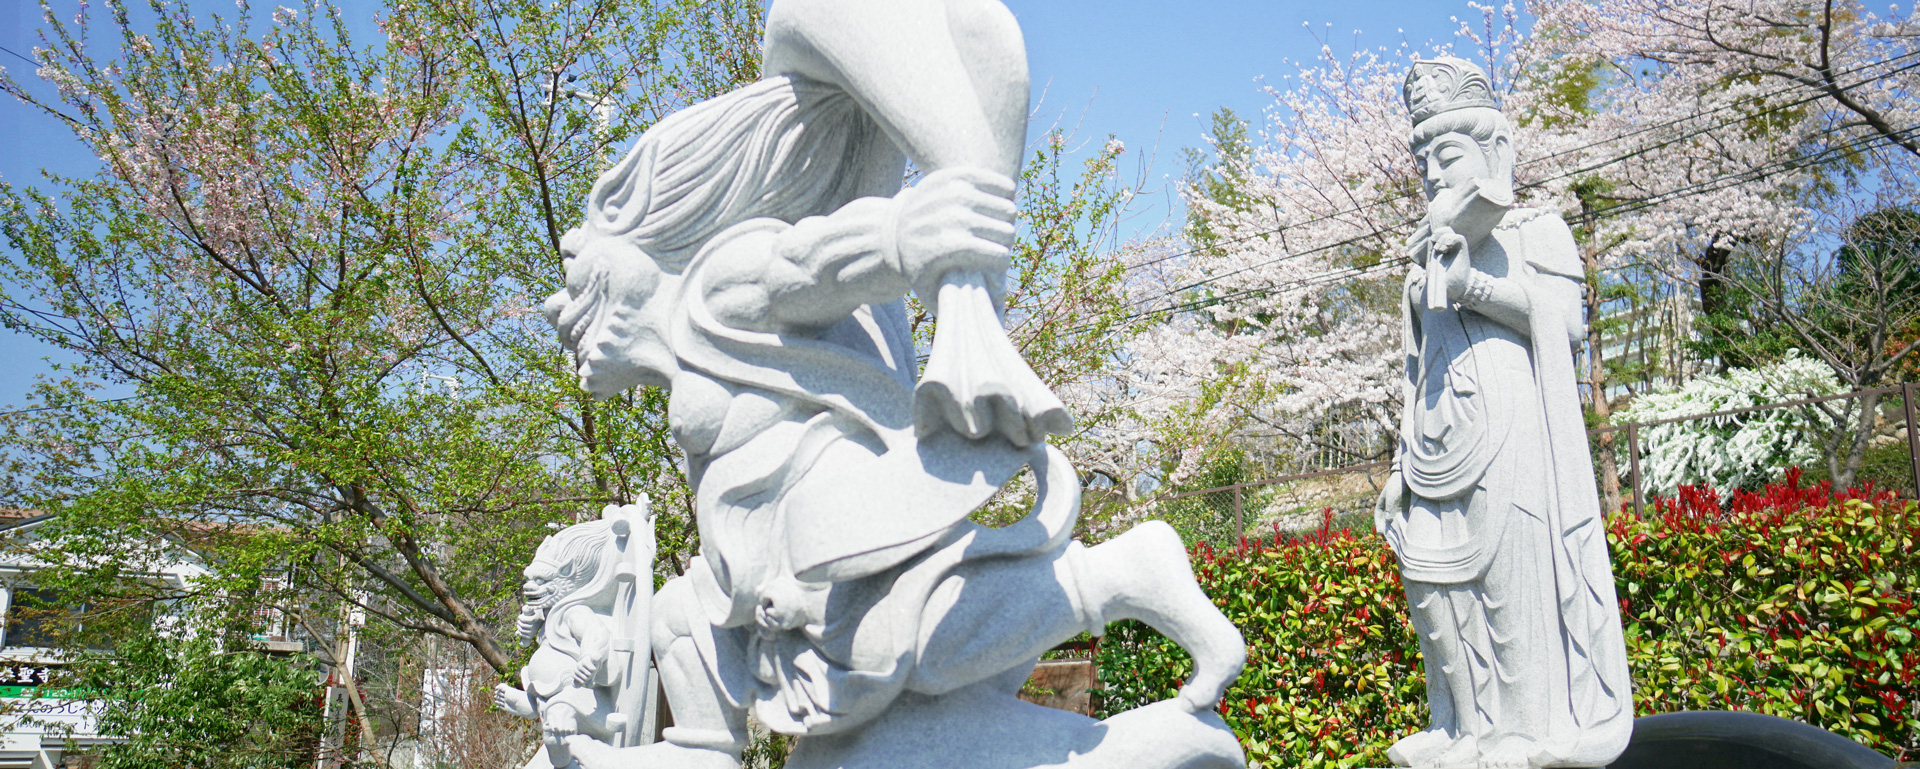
(1444, 85)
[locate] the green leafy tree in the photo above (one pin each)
(1069, 312)
(315, 263)
(1069, 309)
(1220, 175)
(191, 704)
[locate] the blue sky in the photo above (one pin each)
(1148, 72)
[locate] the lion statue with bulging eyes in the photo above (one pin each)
(569, 685)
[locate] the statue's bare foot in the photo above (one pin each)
(1422, 748)
(1143, 574)
(1510, 753)
(594, 754)
(1435, 749)
(514, 701)
(1464, 751)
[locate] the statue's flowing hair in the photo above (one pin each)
(578, 554)
(781, 147)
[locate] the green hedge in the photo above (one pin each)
(1795, 601)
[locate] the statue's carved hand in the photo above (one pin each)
(1451, 249)
(955, 219)
(528, 623)
(1447, 204)
(585, 671)
(1460, 267)
(1393, 502)
(1472, 210)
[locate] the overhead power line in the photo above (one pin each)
(1758, 98)
(67, 406)
(1792, 86)
(17, 55)
(1784, 165)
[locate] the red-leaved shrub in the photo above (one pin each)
(1794, 601)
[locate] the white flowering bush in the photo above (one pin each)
(1732, 452)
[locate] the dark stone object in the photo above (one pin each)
(1716, 739)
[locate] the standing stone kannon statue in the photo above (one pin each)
(751, 254)
(1491, 507)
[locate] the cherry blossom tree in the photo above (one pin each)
(1280, 308)
(1776, 118)
(1282, 321)
(1673, 136)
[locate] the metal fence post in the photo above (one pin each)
(1239, 521)
(1633, 461)
(1907, 392)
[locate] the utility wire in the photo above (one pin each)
(1564, 174)
(1530, 185)
(1616, 210)
(1625, 207)
(68, 406)
(1755, 98)
(17, 55)
(1384, 230)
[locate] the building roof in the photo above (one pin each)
(16, 517)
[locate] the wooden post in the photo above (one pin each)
(1240, 524)
(1633, 458)
(1907, 393)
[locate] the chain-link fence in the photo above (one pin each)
(1881, 420)
(1224, 515)
(1344, 496)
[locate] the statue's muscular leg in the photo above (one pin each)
(557, 723)
(708, 731)
(1142, 574)
(702, 716)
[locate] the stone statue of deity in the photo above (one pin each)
(584, 604)
(1491, 507)
(751, 255)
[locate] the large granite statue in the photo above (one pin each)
(751, 254)
(1492, 508)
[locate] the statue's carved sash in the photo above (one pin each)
(1450, 435)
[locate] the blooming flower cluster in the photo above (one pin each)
(1737, 451)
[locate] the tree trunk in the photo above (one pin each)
(451, 606)
(1608, 463)
(1712, 264)
(1849, 470)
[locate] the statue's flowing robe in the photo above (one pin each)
(839, 504)
(1503, 545)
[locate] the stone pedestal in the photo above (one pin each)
(985, 727)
